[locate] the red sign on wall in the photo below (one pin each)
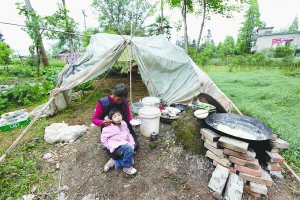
(282, 41)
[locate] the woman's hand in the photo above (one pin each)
(106, 122)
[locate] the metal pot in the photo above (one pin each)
(239, 126)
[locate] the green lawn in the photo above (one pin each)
(271, 96)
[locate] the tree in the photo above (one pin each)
(295, 25)
(186, 6)
(209, 7)
(246, 32)
(66, 31)
(88, 32)
(1, 37)
(227, 47)
(5, 53)
(124, 17)
(33, 28)
(161, 26)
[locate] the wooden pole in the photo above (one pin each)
(25, 130)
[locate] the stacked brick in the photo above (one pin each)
(235, 155)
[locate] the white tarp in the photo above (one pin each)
(165, 68)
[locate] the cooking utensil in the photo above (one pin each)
(239, 126)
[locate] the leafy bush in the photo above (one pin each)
(284, 51)
(24, 95)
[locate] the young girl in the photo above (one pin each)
(118, 140)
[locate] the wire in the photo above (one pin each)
(7, 23)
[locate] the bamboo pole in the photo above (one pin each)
(25, 130)
(292, 171)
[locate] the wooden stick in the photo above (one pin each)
(25, 130)
(292, 171)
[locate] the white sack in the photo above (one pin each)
(62, 132)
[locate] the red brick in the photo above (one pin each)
(247, 170)
(273, 166)
(264, 179)
(246, 163)
(249, 155)
(274, 157)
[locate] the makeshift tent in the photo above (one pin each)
(165, 68)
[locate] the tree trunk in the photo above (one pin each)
(183, 12)
(41, 45)
(67, 27)
(201, 27)
(162, 17)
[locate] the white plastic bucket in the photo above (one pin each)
(150, 101)
(149, 120)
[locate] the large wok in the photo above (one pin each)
(239, 126)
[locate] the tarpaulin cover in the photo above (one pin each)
(165, 68)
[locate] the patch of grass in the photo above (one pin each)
(269, 96)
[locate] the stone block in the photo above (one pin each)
(250, 164)
(274, 137)
(209, 134)
(274, 150)
(231, 168)
(248, 190)
(264, 179)
(218, 152)
(249, 155)
(258, 188)
(223, 161)
(233, 144)
(234, 188)
(247, 170)
(279, 144)
(274, 157)
(214, 144)
(278, 174)
(218, 179)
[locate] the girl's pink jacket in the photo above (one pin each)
(112, 137)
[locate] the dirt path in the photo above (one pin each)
(166, 172)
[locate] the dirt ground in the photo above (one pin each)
(166, 172)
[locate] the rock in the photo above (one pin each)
(217, 196)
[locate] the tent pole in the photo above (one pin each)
(25, 130)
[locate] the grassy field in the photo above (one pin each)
(271, 96)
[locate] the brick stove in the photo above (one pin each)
(239, 168)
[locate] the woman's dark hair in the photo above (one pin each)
(113, 111)
(120, 90)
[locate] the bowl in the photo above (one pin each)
(164, 112)
(8, 115)
(173, 110)
(135, 122)
(201, 113)
(136, 107)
